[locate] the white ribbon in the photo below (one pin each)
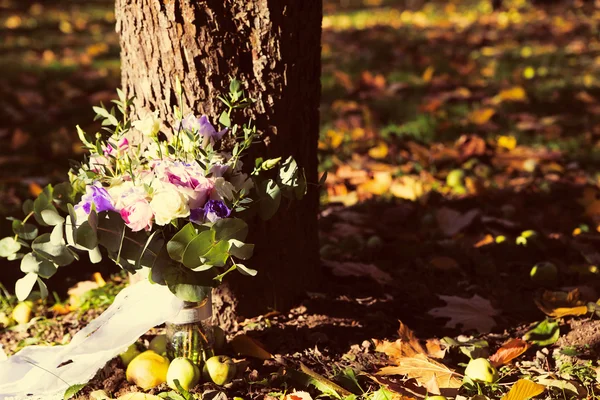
(45, 372)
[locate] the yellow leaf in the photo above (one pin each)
(428, 74)
(516, 93)
(380, 151)
(246, 346)
(407, 187)
(524, 389)
(413, 360)
(13, 22)
(561, 304)
(481, 116)
(335, 138)
(427, 372)
(379, 185)
(507, 142)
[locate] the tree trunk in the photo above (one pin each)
(273, 48)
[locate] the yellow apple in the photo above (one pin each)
(219, 369)
(185, 372)
(148, 370)
(481, 370)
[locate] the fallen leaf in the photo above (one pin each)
(508, 352)
(524, 389)
(515, 93)
(444, 263)
(246, 346)
(544, 333)
(415, 361)
(488, 239)
(429, 373)
(298, 396)
(561, 304)
(379, 152)
(407, 187)
(428, 74)
(475, 313)
(322, 383)
(470, 146)
(380, 184)
(481, 116)
(358, 269)
(507, 142)
(452, 222)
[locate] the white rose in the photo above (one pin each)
(168, 204)
(149, 125)
(117, 189)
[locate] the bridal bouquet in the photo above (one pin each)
(173, 200)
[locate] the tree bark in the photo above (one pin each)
(273, 48)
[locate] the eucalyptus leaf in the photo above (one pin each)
(188, 285)
(58, 254)
(197, 248)
(269, 194)
(31, 263)
(217, 255)
(241, 250)
(230, 228)
(177, 246)
(56, 237)
(245, 270)
(87, 236)
(95, 255)
(42, 203)
(24, 286)
(9, 246)
(51, 217)
(43, 288)
(24, 231)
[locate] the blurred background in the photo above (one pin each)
(470, 120)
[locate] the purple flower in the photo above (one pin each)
(203, 126)
(212, 211)
(97, 195)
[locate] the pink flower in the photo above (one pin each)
(201, 192)
(138, 215)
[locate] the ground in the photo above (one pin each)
(461, 147)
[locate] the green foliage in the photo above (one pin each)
(544, 333)
(73, 390)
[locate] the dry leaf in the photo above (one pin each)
(515, 93)
(380, 184)
(358, 269)
(380, 151)
(481, 116)
(524, 389)
(474, 313)
(561, 304)
(509, 351)
(452, 222)
(407, 187)
(444, 263)
(416, 362)
(488, 239)
(246, 346)
(507, 142)
(429, 373)
(298, 396)
(428, 74)
(470, 146)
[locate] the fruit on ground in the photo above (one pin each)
(22, 312)
(544, 273)
(219, 369)
(436, 398)
(148, 370)
(481, 370)
(129, 354)
(185, 372)
(159, 345)
(455, 178)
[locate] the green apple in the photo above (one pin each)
(455, 178)
(459, 190)
(481, 370)
(219, 336)
(436, 398)
(22, 312)
(185, 372)
(544, 274)
(99, 395)
(148, 370)
(159, 345)
(129, 354)
(219, 369)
